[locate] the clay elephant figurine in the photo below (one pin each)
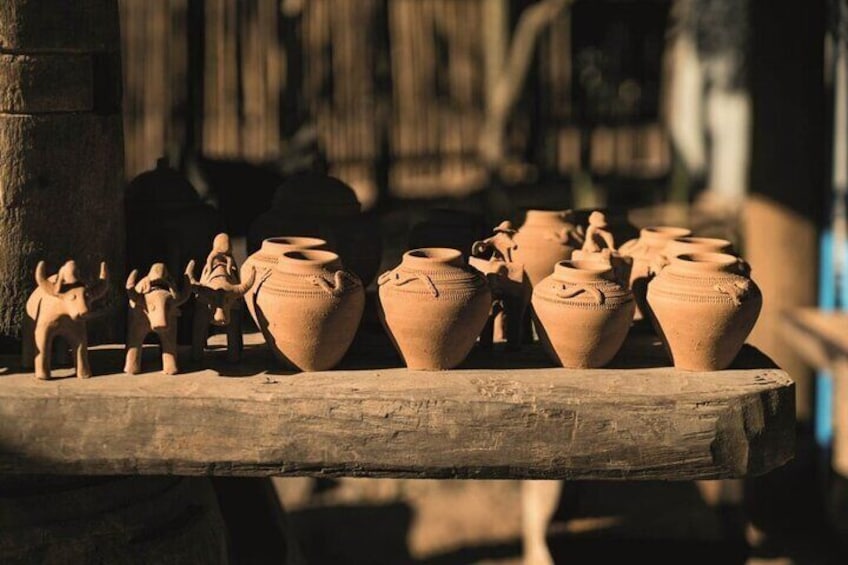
(219, 293)
(59, 306)
(154, 308)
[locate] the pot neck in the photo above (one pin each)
(705, 264)
(689, 244)
(279, 245)
(546, 216)
(661, 235)
(432, 258)
(308, 261)
(583, 271)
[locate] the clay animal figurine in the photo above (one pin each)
(154, 307)
(58, 307)
(599, 244)
(511, 289)
(219, 292)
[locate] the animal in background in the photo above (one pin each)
(58, 307)
(219, 292)
(154, 306)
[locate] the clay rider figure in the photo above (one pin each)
(597, 233)
(501, 244)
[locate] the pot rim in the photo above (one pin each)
(706, 263)
(424, 258)
(583, 270)
(664, 233)
(308, 261)
(293, 242)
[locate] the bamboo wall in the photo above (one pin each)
(395, 89)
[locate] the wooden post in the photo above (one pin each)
(61, 142)
(788, 168)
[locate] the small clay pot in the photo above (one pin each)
(704, 307)
(582, 314)
(318, 205)
(645, 251)
(454, 229)
(309, 309)
(433, 307)
(546, 238)
(265, 259)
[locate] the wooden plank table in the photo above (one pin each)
(502, 415)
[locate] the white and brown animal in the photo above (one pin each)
(58, 307)
(154, 308)
(219, 295)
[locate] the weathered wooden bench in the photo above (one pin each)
(501, 415)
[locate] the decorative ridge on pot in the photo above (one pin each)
(583, 283)
(418, 267)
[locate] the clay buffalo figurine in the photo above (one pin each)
(154, 307)
(219, 292)
(511, 289)
(59, 306)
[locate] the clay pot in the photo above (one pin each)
(582, 314)
(454, 229)
(433, 307)
(317, 205)
(546, 238)
(309, 309)
(645, 251)
(265, 259)
(704, 308)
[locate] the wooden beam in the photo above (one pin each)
(504, 416)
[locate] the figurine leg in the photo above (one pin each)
(514, 310)
(28, 344)
(487, 336)
(199, 335)
(135, 341)
(79, 343)
(539, 501)
(168, 340)
(43, 341)
(235, 341)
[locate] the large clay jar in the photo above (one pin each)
(546, 238)
(265, 260)
(704, 307)
(645, 251)
(309, 309)
(433, 307)
(582, 314)
(317, 205)
(455, 229)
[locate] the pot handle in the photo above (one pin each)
(595, 294)
(340, 284)
(395, 278)
(737, 291)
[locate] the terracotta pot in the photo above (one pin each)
(704, 308)
(309, 309)
(433, 307)
(645, 251)
(582, 314)
(265, 259)
(546, 238)
(454, 229)
(316, 205)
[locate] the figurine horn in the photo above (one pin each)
(130, 286)
(181, 296)
(245, 285)
(45, 285)
(98, 289)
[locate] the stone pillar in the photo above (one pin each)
(61, 149)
